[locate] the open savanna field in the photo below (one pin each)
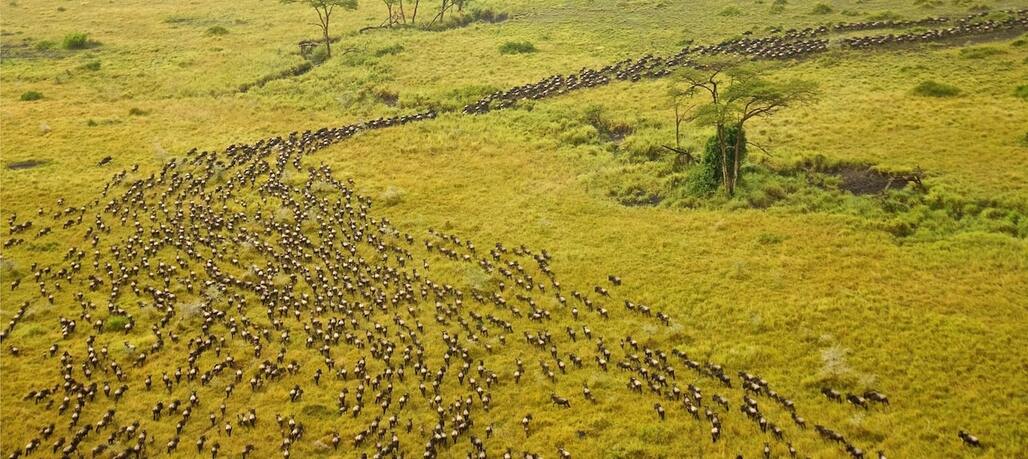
(216, 243)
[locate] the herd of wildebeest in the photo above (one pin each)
(250, 269)
(788, 44)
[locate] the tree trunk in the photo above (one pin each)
(414, 14)
(722, 143)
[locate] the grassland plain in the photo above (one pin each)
(802, 297)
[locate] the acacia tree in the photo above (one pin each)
(738, 93)
(324, 8)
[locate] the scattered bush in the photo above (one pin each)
(77, 41)
(217, 30)
(135, 111)
(31, 95)
(778, 6)
(822, 8)
(45, 45)
(517, 47)
(91, 66)
(935, 89)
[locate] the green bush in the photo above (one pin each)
(517, 47)
(76, 41)
(706, 178)
(31, 95)
(91, 65)
(821, 8)
(1022, 91)
(45, 45)
(135, 111)
(935, 89)
(217, 30)
(778, 6)
(115, 323)
(318, 55)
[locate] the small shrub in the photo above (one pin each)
(217, 30)
(92, 66)
(31, 95)
(935, 89)
(392, 196)
(778, 6)
(115, 323)
(76, 41)
(135, 111)
(517, 47)
(45, 45)
(318, 55)
(821, 8)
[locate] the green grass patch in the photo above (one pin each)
(980, 52)
(77, 40)
(517, 47)
(389, 50)
(217, 31)
(31, 95)
(731, 11)
(932, 88)
(822, 8)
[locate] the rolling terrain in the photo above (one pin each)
(427, 244)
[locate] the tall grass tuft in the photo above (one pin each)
(77, 40)
(517, 47)
(933, 88)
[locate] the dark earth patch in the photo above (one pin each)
(27, 164)
(864, 180)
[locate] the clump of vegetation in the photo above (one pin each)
(980, 52)
(885, 16)
(91, 66)
(318, 55)
(136, 111)
(517, 47)
(822, 8)
(1022, 91)
(931, 88)
(115, 323)
(731, 11)
(31, 95)
(77, 40)
(217, 30)
(708, 175)
(389, 50)
(461, 19)
(778, 6)
(45, 45)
